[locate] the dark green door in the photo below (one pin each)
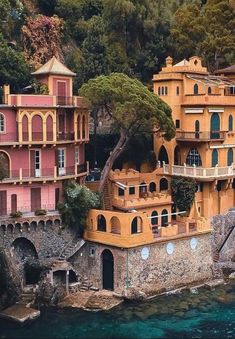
(230, 157)
(215, 126)
(108, 272)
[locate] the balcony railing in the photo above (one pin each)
(61, 136)
(64, 101)
(209, 173)
(52, 173)
(200, 136)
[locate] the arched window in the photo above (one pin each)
(115, 225)
(152, 187)
(230, 157)
(230, 122)
(177, 90)
(5, 166)
(209, 90)
(215, 126)
(2, 123)
(166, 90)
(159, 90)
(49, 124)
(163, 90)
(78, 127)
(193, 158)
(136, 225)
(37, 128)
(101, 223)
(214, 158)
(197, 129)
(163, 184)
(164, 218)
(25, 128)
(154, 218)
(177, 159)
(163, 156)
(195, 89)
(143, 189)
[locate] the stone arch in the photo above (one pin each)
(163, 184)
(37, 127)
(18, 228)
(10, 229)
(101, 223)
(33, 226)
(115, 225)
(57, 222)
(136, 225)
(25, 227)
(49, 223)
(152, 187)
(72, 277)
(25, 246)
(107, 259)
(41, 225)
(2, 230)
(163, 156)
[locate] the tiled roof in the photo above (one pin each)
(54, 66)
(227, 70)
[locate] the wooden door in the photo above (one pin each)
(3, 202)
(13, 203)
(61, 92)
(108, 270)
(35, 199)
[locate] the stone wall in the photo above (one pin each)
(221, 225)
(150, 269)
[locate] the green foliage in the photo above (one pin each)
(183, 192)
(78, 200)
(17, 214)
(130, 105)
(40, 212)
(40, 88)
(13, 68)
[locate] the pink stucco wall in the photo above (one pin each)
(11, 131)
(24, 196)
(68, 85)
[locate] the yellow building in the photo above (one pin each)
(203, 107)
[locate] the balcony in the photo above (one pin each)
(65, 136)
(208, 100)
(200, 173)
(200, 136)
(46, 174)
(64, 101)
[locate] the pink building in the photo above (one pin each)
(42, 139)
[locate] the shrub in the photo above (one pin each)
(40, 212)
(17, 214)
(183, 191)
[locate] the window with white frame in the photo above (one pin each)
(61, 158)
(76, 154)
(2, 123)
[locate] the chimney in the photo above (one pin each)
(169, 61)
(6, 93)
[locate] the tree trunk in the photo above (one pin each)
(118, 149)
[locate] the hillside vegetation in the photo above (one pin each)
(97, 37)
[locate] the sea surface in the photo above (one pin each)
(202, 313)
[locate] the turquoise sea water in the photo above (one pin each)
(206, 314)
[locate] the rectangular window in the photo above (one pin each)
(77, 155)
(132, 190)
(120, 192)
(61, 161)
(177, 123)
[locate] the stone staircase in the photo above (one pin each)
(107, 200)
(71, 248)
(28, 295)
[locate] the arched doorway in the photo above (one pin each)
(108, 270)
(163, 156)
(214, 158)
(154, 218)
(197, 129)
(177, 159)
(215, 126)
(163, 184)
(5, 165)
(164, 218)
(152, 187)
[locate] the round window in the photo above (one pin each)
(170, 248)
(145, 253)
